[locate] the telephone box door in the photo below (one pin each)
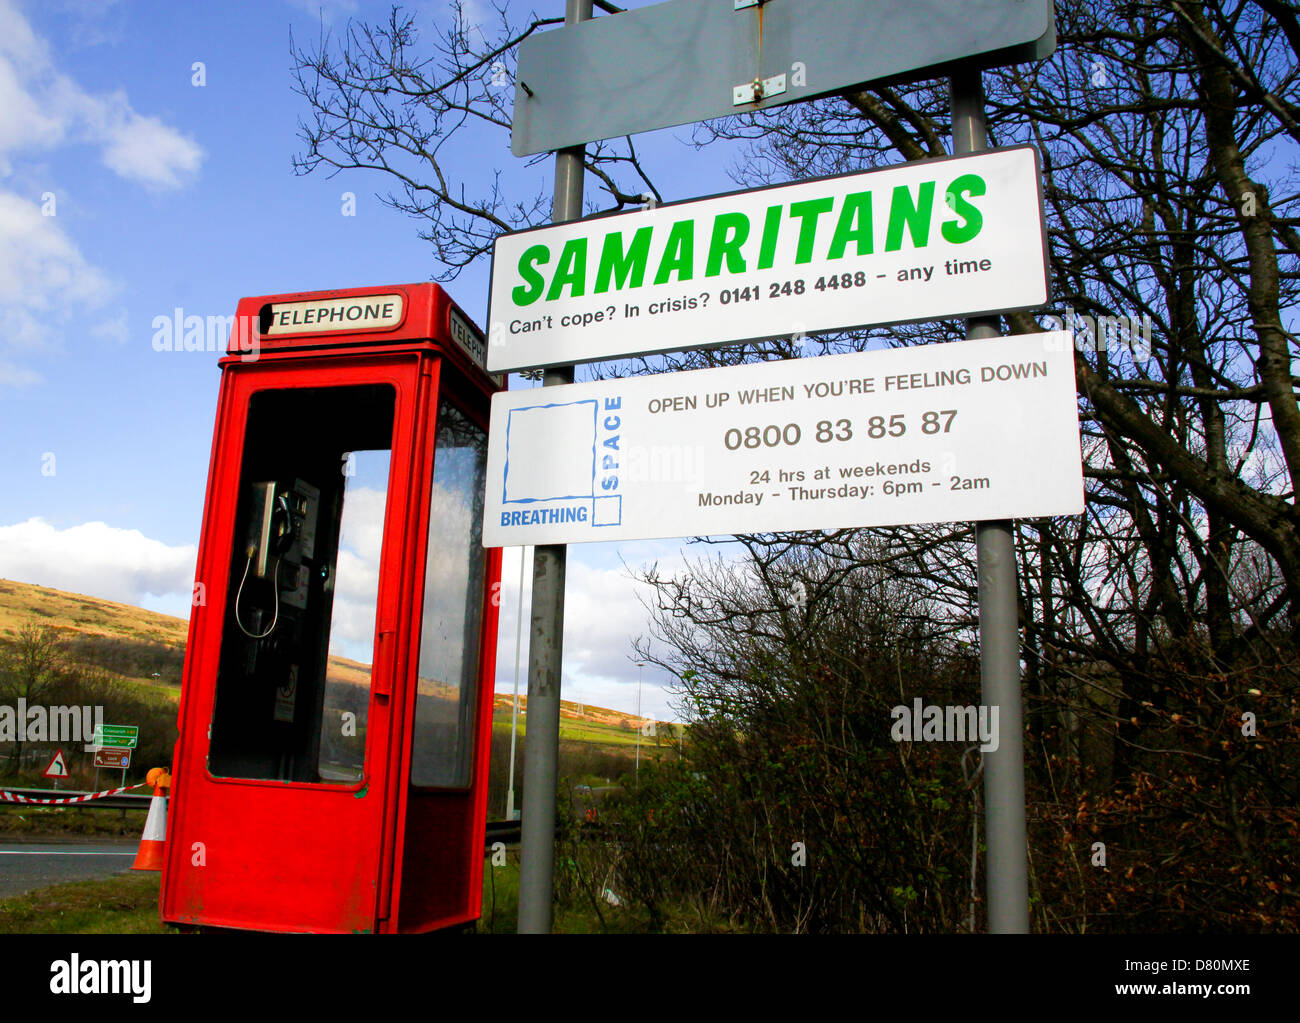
(290, 791)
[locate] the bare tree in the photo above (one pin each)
(1156, 623)
(1169, 612)
(33, 666)
(381, 100)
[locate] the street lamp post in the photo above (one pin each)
(640, 671)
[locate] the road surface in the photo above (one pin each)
(28, 865)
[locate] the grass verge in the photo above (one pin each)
(116, 905)
(42, 821)
(129, 905)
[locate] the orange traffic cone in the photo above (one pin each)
(150, 856)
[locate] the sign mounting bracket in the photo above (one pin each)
(758, 89)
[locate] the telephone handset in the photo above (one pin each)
(281, 526)
(271, 528)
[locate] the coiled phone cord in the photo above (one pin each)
(275, 585)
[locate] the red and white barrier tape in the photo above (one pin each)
(14, 797)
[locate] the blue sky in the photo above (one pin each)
(128, 191)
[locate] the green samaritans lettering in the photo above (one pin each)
(831, 226)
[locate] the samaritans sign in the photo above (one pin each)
(925, 240)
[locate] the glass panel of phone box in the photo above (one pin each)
(453, 606)
(293, 685)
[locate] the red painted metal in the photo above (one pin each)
(379, 854)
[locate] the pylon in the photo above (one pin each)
(150, 856)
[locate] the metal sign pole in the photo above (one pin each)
(546, 643)
(514, 709)
(1006, 870)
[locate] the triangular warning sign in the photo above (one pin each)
(57, 767)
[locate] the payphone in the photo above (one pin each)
(331, 770)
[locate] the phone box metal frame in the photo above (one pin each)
(311, 791)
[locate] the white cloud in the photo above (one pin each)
(356, 584)
(115, 329)
(43, 278)
(602, 604)
(94, 22)
(22, 331)
(41, 107)
(142, 149)
(602, 617)
(17, 40)
(17, 377)
(24, 123)
(98, 560)
(40, 266)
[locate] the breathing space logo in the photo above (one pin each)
(934, 723)
(131, 977)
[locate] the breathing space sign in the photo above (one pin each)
(925, 240)
(941, 433)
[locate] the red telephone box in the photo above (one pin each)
(331, 770)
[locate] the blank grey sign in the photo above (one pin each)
(680, 62)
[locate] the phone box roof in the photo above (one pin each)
(349, 317)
